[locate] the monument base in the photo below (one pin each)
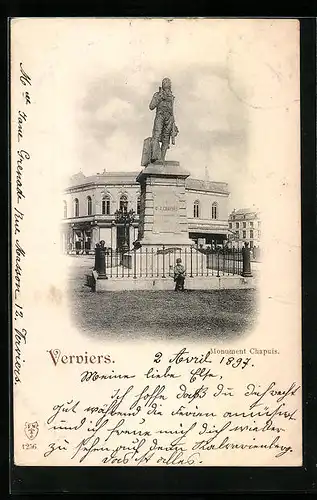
(247, 274)
(196, 283)
(163, 210)
(167, 169)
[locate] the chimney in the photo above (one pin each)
(206, 174)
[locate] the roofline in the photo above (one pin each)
(88, 181)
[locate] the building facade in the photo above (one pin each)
(90, 203)
(245, 226)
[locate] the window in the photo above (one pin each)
(105, 205)
(237, 225)
(196, 209)
(89, 205)
(123, 203)
(244, 234)
(214, 210)
(251, 224)
(237, 234)
(138, 205)
(65, 209)
(244, 224)
(230, 225)
(251, 234)
(76, 207)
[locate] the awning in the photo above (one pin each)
(209, 231)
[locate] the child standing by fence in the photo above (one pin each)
(179, 275)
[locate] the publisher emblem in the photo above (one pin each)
(31, 429)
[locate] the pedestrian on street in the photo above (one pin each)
(179, 275)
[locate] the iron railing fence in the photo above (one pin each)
(255, 253)
(153, 262)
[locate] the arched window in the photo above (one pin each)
(105, 205)
(89, 205)
(65, 209)
(138, 205)
(214, 211)
(196, 209)
(76, 207)
(123, 203)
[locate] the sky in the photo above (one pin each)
(230, 78)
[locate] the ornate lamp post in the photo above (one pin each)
(234, 237)
(125, 218)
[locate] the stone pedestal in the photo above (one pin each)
(163, 211)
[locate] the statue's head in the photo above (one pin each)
(166, 84)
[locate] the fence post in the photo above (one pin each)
(97, 257)
(157, 263)
(224, 259)
(102, 260)
(134, 263)
(246, 261)
(212, 258)
(233, 260)
(129, 263)
(111, 262)
(140, 254)
(146, 262)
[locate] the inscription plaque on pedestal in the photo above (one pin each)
(165, 211)
(163, 214)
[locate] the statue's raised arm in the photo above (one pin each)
(164, 128)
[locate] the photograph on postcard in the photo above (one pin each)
(156, 278)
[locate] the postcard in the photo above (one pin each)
(156, 242)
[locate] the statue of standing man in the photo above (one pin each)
(164, 128)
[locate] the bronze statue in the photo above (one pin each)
(164, 128)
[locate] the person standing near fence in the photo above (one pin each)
(179, 275)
